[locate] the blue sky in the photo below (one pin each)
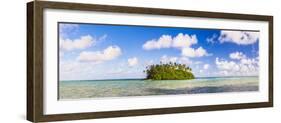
(91, 51)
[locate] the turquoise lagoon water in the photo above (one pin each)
(80, 89)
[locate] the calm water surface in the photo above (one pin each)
(79, 89)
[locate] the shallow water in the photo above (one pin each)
(80, 89)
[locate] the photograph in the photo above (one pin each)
(116, 61)
(91, 60)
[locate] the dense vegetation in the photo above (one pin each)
(169, 71)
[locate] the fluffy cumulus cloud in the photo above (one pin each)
(164, 41)
(243, 67)
(132, 61)
(81, 43)
(227, 65)
(206, 66)
(107, 54)
(239, 37)
(182, 42)
(237, 55)
(167, 41)
(191, 52)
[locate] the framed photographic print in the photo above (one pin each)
(96, 61)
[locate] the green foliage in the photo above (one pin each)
(170, 71)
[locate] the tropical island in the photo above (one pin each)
(168, 71)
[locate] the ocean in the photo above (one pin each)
(86, 89)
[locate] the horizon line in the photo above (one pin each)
(145, 78)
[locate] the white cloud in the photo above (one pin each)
(132, 61)
(72, 70)
(81, 43)
(66, 29)
(249, 61)
(212, 39)
(237, 55)
(181, 41)
(164, 41)
(190, 52)
(244, 67)
(107, 54)
(239, 37)
(227, 65)
(184, 40)
(206, 66)
(202, 72)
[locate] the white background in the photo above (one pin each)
(13, 61)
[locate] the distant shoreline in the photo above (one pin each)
(159, 80)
